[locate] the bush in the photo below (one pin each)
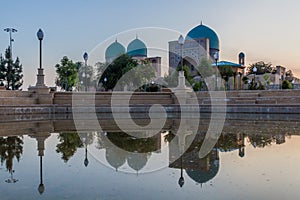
(286, 85)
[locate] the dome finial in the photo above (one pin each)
(136, 36)
(201, 22)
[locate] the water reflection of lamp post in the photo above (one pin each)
(181, 179)
(216, 57)
(41, 137)
(11, 179)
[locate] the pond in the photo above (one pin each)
(49, 159)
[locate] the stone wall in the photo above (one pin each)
(264, 101)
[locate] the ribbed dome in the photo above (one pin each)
(114, 50)
(137, 48)
(202, 31)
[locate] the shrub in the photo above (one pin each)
(286, 85)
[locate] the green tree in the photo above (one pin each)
(115, 71)
(137, 73)
(172, 78)
(226, 72)
(67, 72)
(286, 85)
(261, 67)
(205, 68)
(10, 72)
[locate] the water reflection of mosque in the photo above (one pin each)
(138, 151)
(122, 148)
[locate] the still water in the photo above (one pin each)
(49, 159)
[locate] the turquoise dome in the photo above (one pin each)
(114, 50)
(137, 48)
(202, 31)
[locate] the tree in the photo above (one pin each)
(10, 72)
(286, 85)
(205, 68)
(226, 72)
(261, 67)
(124, 71)
(67, 72)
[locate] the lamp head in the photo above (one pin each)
(40, 34)
(85, 56)
(216, 56)
(181, 40)
(254, 69)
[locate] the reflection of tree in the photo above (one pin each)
(169, 137)
(10, 147)
(260, 140)
(133, 144)
(227, 142)
(69, 142)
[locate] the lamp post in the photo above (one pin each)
(181, 78)
(40, 76)
(40, 36)
(181, 43)
(85, 57)
(254, 72)
(105, 81)
(216, 57)
(10, 30)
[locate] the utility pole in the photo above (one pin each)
(10, 30)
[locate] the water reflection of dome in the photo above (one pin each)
(200, 176)
(115, 157)
(137, 161)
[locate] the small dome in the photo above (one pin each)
(114, 50)
(115, 157)
(137, 161)
(202, 31)
(137, 48)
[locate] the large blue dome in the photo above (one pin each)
(114, 50)
(202, 31)
(137, 48)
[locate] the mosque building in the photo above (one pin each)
(137, 49)
(203, 42)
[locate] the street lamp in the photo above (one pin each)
(216, 57)
(40, 36)
(254, 71)
(10, 30)
(85, 57)
(181, 43)
(105, 81)
(40, 76)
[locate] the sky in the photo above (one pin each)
(265, 30)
